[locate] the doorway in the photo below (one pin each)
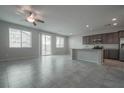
(46, 45)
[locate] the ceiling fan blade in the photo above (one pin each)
(24, 7)
(30, 13)
(34, 24)
(40, 20)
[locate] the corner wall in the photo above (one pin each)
(18, 53)
(60, 51)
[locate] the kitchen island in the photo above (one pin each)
(89, 55)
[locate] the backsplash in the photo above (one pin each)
(105, 46)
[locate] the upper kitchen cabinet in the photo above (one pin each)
(110, 38)
(115, 38)
(97, 39)
(107, 38)
(121, 33)
(85, 39)
(92, 39)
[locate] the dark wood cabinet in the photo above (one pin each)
(97, 39)
(104, 38)
(110, 38)
(107, 38)
(85, 39)
(91, 39)
(111, 54)
(121, 33)
(116, 38)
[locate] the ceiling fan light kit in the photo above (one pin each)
(30, 19)
(33, 15)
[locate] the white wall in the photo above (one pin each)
(107, 30)
(60, 51)
(77, 42)
(15, 53)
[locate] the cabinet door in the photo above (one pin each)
(115, 38)
(85, 39)
(110, 38)
(97, 39)
(90, 41)
(93, 37)
(105, 38)
(111, 54)
(121, 33)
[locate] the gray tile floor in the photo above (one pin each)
(59, 72)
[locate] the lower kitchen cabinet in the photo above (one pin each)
(111, 54)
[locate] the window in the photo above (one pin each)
(19, 38)
(14, 38)
(46, 44)
(26, 39)
(59, 42)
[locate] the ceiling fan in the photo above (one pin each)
(31, 15)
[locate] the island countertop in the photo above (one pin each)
(89, 55)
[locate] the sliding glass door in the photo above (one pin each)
(46, 44)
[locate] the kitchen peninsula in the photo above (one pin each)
(89, 55)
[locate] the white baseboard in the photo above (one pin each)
(18, 58)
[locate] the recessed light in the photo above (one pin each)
(115, 24)
(114, 19)
(87, 26)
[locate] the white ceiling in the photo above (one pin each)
(68, 19)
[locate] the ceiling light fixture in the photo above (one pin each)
(87, 26)
(114, 19)
(114, 24)
(31, 18)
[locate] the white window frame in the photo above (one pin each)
(30, 40)
(12, 38)
(60, 42)
(21, 43)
